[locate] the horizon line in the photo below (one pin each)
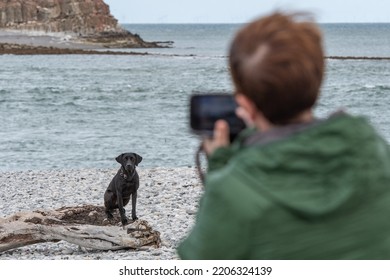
(333, 22)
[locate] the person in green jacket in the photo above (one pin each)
(291, 186)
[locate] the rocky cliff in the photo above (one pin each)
(87, 19)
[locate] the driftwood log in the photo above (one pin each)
(85, 226)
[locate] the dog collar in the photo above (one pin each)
(123, 174)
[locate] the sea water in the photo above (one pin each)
(81, 111)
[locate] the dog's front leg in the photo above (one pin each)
(133, 206)
(122, 210)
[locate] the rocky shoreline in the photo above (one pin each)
(59, 27)
(168, 200)
(17, 49)
(22, 43)
(45, 44)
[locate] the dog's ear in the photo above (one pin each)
(119, 158)
(138, 159)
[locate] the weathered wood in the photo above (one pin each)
(84, 225)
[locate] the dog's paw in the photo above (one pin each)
(124, 221)
(134, 218)
(109, 215)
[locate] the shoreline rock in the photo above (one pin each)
(87, 22)
(19, 49)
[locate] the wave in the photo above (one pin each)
(379, 89)
(70, 104)
(375, 87)
(47, 90)
(369, 89)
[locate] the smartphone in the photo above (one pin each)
(206, 109)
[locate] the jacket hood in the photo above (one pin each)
(313, 171)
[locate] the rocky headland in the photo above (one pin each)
(65, 24)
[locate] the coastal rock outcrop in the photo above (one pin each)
(90, 20)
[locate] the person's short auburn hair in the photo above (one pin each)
(277, 61)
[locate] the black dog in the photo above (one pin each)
(124, 184)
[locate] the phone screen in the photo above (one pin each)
(206, 109)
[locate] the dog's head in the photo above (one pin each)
(129, 161)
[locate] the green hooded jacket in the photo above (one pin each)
(322, 192)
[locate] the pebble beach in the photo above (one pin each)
(167, 199)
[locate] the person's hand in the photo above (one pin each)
(219, 139)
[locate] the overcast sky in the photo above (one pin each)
(240, 11)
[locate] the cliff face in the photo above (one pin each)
(83, 17)
(89, 20)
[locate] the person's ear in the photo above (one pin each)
(249, 113)
(246, 110)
